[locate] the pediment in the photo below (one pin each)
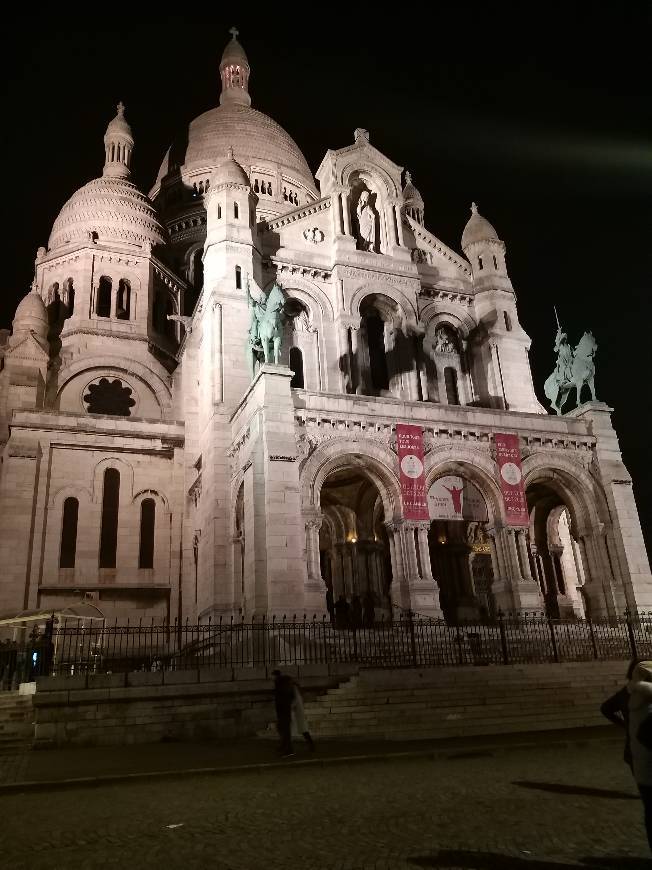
(27, 349)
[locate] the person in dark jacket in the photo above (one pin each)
(342, 610)
(640, 736)
(616, 710)
(283, 700)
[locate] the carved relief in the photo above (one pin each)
(314, 235)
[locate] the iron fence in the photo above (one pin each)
(406, 641)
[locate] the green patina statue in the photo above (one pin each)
(575, 367)
(265, 325)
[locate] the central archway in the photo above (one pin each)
(354, 548)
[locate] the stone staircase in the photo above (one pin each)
(16, 722)
(407, 704)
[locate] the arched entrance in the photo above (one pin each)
(556, 558)
(353, 544)
(459, 548)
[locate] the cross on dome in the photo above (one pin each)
(121, 109)
(234, 32)
(408, 176)
(474, 208)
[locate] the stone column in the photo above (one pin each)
(345, 358)
(346, 211)
(315, 589)
(399, 224)
(398, 593)
(526, 573)
(355, 359)
(217, 347)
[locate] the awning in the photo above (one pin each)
(80, 610)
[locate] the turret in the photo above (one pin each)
(234, 73)
(502, 368)
(118, 146)
(413, 205)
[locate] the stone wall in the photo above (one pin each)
(144, 707)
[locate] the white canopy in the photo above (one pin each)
(80, 610)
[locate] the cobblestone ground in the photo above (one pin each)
(547, 809)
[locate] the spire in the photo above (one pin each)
(118, 145)
(474, 208)
(234, 73)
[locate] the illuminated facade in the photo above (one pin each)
(142, 464)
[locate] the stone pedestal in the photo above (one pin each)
(275, 540)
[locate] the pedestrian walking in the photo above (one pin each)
(283, 699)
(640, 736)
(616, 710)
(299, 718)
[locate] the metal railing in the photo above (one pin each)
(406, 641)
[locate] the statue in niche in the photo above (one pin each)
(366, 216)
(444, 341)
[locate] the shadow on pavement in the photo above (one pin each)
(453, 859)
(586, 791)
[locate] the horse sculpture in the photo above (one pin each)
(573, 370)
(266, 326)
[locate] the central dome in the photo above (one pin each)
(276, 168)
(256, 140)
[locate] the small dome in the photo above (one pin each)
(234, 52)
(411, 195)
(109, 209)
(478, 229)
(229, 172)
(31, 316)
(118, 128)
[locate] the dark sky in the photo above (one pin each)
(542, 117)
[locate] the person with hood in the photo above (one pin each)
(640, 736)
(616, 710)
(299, 718)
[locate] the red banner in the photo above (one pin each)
(409, 441)
(508, 457)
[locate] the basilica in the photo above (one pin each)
(202, 394)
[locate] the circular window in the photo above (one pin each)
(109, 396)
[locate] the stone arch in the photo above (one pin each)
(126, 477)
(475, 466)
(432, 315)
(307, 292)
(367, 170)
(155, 494)
(380, 288)
(372, 459)
(154, 382)
(584, 497)
(81, 493)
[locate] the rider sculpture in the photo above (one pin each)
(265, 325)
(574, 369)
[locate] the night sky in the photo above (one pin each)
(543, 118)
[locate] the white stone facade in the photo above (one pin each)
(142, 464)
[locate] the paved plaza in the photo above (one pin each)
(545, 808)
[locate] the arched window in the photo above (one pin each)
(69, 533)
(480, 264)
(495, 262)
(69, 296)
(147, 524)
(238, 278)
(269, 188)
(450, 380)
(377, 357)
(508, 321)
(110, 508)
(198, 270)
(296, 364)
(236, 210)
(219, 212)
(103, 306)
(256, 186)
(158, 315)
(124, 300)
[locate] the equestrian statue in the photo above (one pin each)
(265, 325)
(575, 367)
